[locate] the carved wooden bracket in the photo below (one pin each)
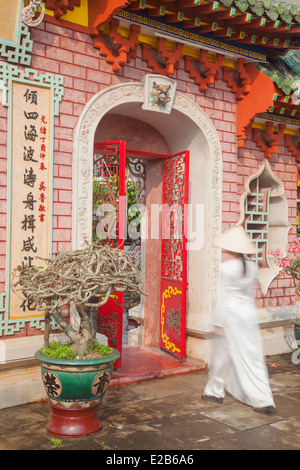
(210, 72)
(291, 145)
(268, 144)
(274, 137)
(172, 58)
(151, 62)
(61, 7)
(125, 47)
(242, 85)
(260, 142)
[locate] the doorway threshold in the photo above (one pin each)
(145, 363)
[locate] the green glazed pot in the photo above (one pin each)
(296, 324)
(75, 389)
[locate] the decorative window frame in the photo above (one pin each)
(8, 75)
(275, 219)
(18, 50)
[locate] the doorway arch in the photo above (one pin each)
(187, 127)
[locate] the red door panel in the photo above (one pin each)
(174, 254)
(108, 226)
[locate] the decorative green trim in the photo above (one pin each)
(8, 75)
(18, 50)
(256, 220)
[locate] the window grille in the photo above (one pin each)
(257, 220)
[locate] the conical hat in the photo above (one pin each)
(236, 240)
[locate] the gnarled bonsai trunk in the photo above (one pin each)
(86, 278)
(86, 334)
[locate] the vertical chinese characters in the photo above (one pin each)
(30, 163)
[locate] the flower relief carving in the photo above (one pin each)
(264, 215)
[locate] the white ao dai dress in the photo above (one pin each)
(238, 364)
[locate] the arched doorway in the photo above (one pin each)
(187, 127)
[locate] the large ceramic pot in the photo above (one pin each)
(296, 324)
(75, 389)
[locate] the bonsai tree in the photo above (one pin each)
(85, 277)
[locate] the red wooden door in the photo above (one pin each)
(174, 254)
(108, 226)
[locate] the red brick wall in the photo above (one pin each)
(71, 54)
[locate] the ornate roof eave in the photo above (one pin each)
(274, 25)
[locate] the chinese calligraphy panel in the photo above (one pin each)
(30, 190)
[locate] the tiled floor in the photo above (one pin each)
(143, 363)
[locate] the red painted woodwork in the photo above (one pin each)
(172, 58)
(100, 11)
(269, 140)
(126, 46)
(61, 7)
(241, 86)
(174, 254)
(211, 70)
(109, 169)
(110, 324)
(291, 145)
(258, 100)
(274, 137)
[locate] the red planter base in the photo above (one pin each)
(73, 422)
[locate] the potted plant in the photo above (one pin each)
(77, 374)
(290, 264)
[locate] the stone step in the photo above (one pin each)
(20, 386)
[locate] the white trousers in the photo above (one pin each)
(238, 366)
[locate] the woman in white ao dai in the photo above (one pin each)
(237, 363)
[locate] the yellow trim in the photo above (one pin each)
(49, 12)
(170, 45)
(80, 15)
(262, 126)
(293, 132)
(166, 295)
